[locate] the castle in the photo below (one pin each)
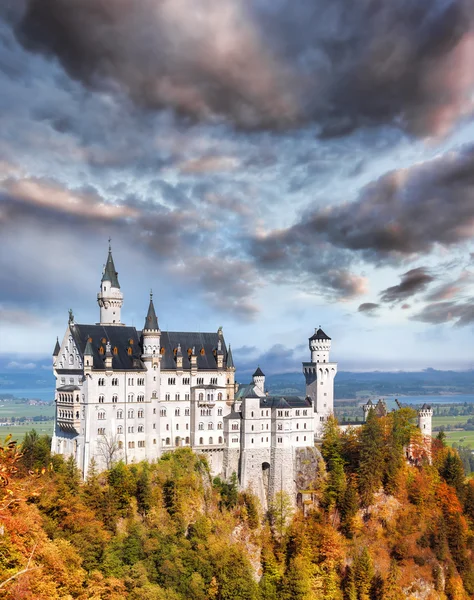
(125, 394)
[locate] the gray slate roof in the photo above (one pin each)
(284, 402)
(110, 274)
(57, 348)
(119, 338)
(151, 322)
(319, 335)
(258, 373)
(207, 341)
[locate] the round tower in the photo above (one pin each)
(425, 415)
(110, 297)
(320, 346)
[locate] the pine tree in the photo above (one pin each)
(372, 457)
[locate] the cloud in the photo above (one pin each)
(368, 308)
(443, 312)
(27, 366)
(267, 65)
(451, 289)
(412, 282)
(403, 214)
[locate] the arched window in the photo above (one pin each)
(176, 412)
(201, 396)
(201, 440)
(140, 413)
(220, 440)
(141, 428)
(120, 414)
(168, 441)
(130, 414)
(210, 425)
(120, 429)
(129, 351)
(187, 440)
(177, 441)
(101, 415)
(219, 425)
(114, 399)
(130, 398)
(201, 426)
(101, 399)
(163, 412)
(140, 398)
(211, 441)
(120, 445)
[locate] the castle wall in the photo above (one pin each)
(231, 462)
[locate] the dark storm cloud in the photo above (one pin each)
(267, 64)
(368, 308)
(402, 215)
(443, 312)
(412, 282)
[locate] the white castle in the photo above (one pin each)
(125, 394)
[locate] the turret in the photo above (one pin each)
(151, 331)
(88, 355)
(367, 408)
(230, 375)
(320, 346)
(425, 415)
(319, 375)
(259, 381)
(57, 349)
(110, 298)
(109, 357)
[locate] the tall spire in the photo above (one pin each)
(110, 297)
(230, 360)
(57, 348)
(151, 322)
(110, 274)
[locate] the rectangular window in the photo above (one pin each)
(280, 440)
(186, 412)
(305, 413)
(141, 443)
(101, 431)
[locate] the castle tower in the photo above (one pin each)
(259, 381)
(319, 375)
(425, 415)
(110, 298)
(230, 377)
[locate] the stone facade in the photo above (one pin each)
(131, 395)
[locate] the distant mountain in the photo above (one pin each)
(352, 385)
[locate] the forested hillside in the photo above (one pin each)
(381, 527)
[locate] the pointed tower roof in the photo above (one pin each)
(110, 274)
(57, 348)
(258, 373)
(151, 322)
(230, 360)
(88, 350)
(319, 335)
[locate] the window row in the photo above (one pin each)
(67, 414)
(62, 397)
(209, 426)
(114, 381)
(140, 381)
(211, 441)
(177, 426)
(176, 397)
(177, 412)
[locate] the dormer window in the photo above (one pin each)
(115, 350)
(101, 350)
(129, 351)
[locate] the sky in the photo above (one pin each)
(268, 166)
